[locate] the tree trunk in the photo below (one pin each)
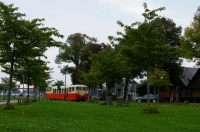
(125, 88)
(34, 93)
(39, 94)
(10, 84)
(148, 87)
(106, 91)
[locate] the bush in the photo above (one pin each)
(150, 110)
(103, 103)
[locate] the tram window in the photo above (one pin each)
(85, 89)
(54, 91)
(78, 88)
(62, 90)
(72, 88)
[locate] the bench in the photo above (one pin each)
(121, 102)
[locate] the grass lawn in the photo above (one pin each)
(69, 116)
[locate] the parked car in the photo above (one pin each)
(152, 97)
(138, 98)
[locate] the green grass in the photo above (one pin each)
(69, 116)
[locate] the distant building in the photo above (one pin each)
(187, 86)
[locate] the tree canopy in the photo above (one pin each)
(70, 52)
(21, 38)
(190, 42)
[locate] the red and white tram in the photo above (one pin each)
(71, 92)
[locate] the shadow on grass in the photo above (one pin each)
(9, 107)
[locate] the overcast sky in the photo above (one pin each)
(97, 18)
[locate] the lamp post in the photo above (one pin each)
(23, 90)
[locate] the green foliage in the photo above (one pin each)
(5, 83)
(58, 83)
(103, 103)
(71, 51)
(107, 66)
(21, 39)
(172, 35)
(150, 110)
(146, 43)
(190, 42)
(160, 78)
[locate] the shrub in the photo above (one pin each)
(150, 110)
(103, 103)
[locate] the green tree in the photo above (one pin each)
(71, 51)
(190, 42)
(85, 66)
(148, 46)
(58, 83)
(35, 72)
(91, 48)
(5, 83)
(20, 38)
(172, 35)
(107, 67)
(160, 78)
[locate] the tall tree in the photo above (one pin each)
(87, 63)
(190, 42)
(148, 46)
(172, 35)
(70, 52)
(107, 67)
(91, 48)
(33, 71)
(20, 38)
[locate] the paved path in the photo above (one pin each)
(4, 102)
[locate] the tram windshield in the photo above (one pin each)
(79, 88)
(85, 89)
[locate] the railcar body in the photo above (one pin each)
(71, 92)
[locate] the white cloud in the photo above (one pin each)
(134, 7)
(128, 6)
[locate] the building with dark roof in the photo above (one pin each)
(188, 85)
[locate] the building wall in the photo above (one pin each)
(183, 93)
(196, 94)
(196, 83)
